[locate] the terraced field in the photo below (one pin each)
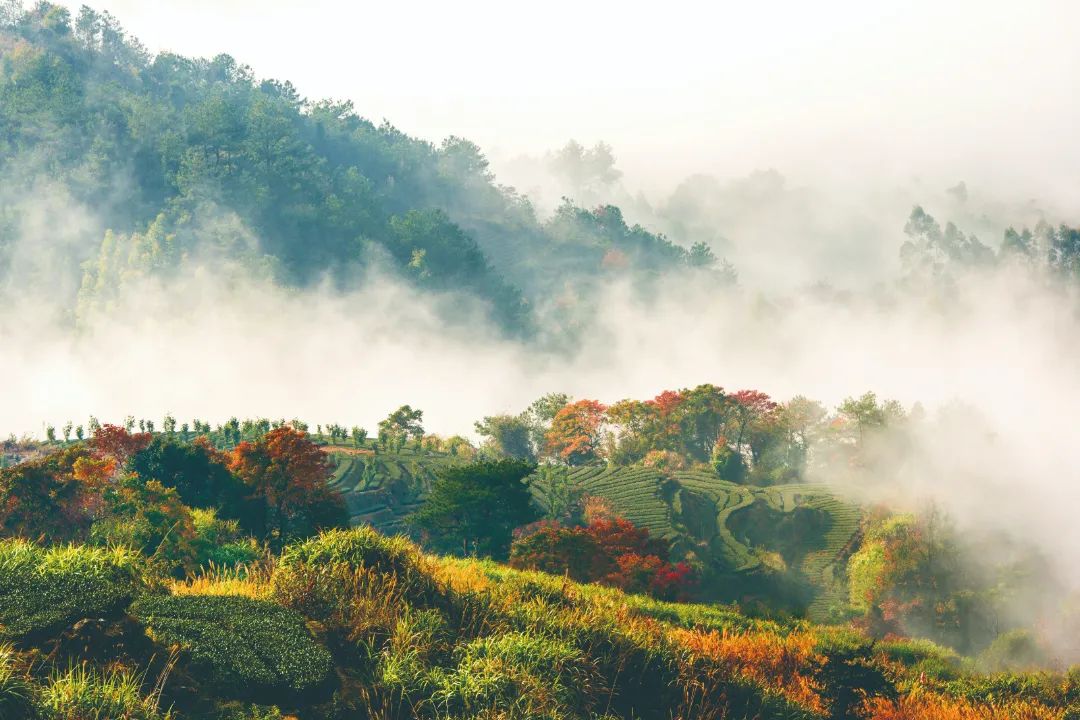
(381, 488)
(700, 514)
(635, 493)
(697, 511)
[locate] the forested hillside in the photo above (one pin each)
(180, 161)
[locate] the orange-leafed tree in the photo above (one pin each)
(48, 498)
(577, 431)
(286, 475)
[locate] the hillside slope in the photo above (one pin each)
(355, 624)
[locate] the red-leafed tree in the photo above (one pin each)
(112, 441)
(667, 402)
(751, 407)
(576, 432)
(286, 474)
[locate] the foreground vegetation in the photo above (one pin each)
(357, 624)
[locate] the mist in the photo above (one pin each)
(1003, 348)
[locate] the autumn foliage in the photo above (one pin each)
(56, 497)
(575, 433)
(611, 552)
(286, 474)
(116, 443)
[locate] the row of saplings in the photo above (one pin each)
(349, 624)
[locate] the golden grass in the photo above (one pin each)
(251, 581)
(922, 705)
(784, 662)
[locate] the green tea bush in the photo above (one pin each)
(249, 647)
(45, 590)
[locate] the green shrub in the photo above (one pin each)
(241, 552)
(85, 694)
(1014, 650)
(358, 547)
(528, 676)
(248, 647)
(220, 542)
(44, 590)
(364, 547)
(913, 650)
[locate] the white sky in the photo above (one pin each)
(843, 89)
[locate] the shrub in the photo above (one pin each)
(43, 498)
(46, 590)
(248, 646)
(922, 657)
(364, 548)
(150, 518)
(220, 542)
(526, 675)
(358, 547)
(1016, 649)
(85, 694)
(611, 552)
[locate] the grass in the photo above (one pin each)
(17, 693)
(251, 581)
(83, 693)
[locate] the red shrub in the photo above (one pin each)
(611, 552)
